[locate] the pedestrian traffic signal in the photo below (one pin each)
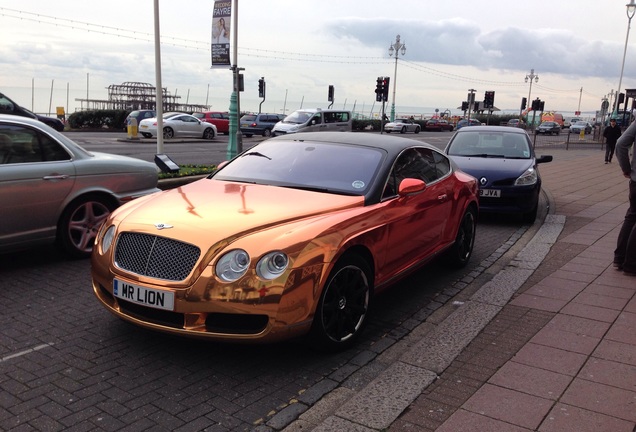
(524, 101)
(621, 98)
(489, 99)
(541, 105)
(261, 87)
(330, 94)
(465, 106)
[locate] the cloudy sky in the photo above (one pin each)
(53, 52)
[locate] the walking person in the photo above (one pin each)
(625, 253)
(611, 134)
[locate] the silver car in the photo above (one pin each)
(178, 125)
(51, 189)
(402, 126)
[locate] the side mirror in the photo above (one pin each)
(410, 186)
(544, 159)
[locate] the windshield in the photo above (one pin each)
(490, 144)
(329, 167)
(298, 117)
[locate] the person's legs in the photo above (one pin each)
(625, 253)
(607, 150)
(611, 148)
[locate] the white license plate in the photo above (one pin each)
(490, 193)
(144, 126)
(144, 296)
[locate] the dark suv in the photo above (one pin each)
(139, 115)
(259, 124)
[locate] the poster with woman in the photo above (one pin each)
(221, 18)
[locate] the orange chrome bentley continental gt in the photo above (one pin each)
(292, 237)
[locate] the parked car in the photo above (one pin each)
(314, 120)
(219, 119)
(139, 115)
(177, 124)
(259, 124)
(516, 123)
(579, 126)
(292, 237)
(438, 125)
(7, 106)
(503, 161)
(464, 122)
(402, 126)
(52, 190)
(549, 128)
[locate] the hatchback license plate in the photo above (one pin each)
(143, 296)
(490, 193)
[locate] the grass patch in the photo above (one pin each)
(189, 170)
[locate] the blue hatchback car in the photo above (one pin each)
(503, 162)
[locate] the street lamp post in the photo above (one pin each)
(530, 78)
(631, 8)
(396, 48)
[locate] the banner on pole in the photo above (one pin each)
(221, 18)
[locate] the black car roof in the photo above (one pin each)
(391, 144)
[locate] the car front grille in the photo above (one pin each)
(154, 256)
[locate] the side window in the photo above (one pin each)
(6, 106)
(23, 145)
(442, 164)
(316, 119)
(412, 163)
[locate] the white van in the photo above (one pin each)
(314, 120)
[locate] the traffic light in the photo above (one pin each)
(489, 99)
(378, 89)
(524, 101)
(621, 98)
(385, 88)
(535, 104)
(465, 106)
(330, 94)
(261, 87)
(541, 105)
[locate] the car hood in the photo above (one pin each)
(493, 168)
(208, 211)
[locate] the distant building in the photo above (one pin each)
(136, 96)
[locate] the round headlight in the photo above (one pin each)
(108, 238)
(272, 265)
(232, 265)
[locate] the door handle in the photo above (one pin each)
(442, 197)
(56, 177)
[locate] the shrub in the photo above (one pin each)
(97, 119)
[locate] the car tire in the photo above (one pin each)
(403, 130)
(146, 135)
(343, 308)
(248, 135)
(80, 222)
(417, 130)
(208, 134)
(168, 133)
(267, 133)
(459, 254)
(387, 131)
